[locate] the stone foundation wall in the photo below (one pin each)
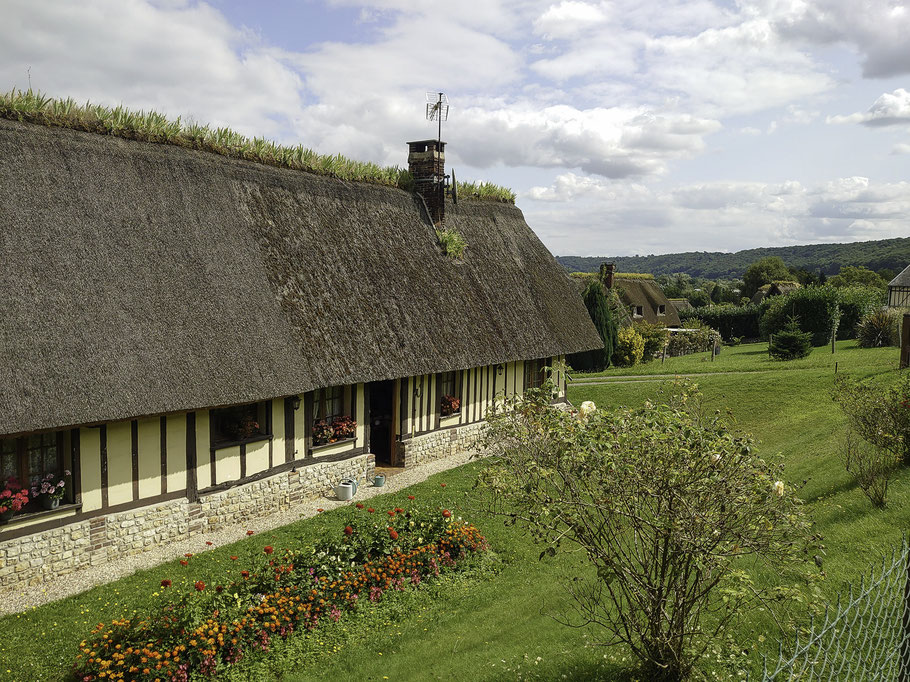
(440, 444)
(33, 559)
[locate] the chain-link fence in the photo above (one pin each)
(865, 636)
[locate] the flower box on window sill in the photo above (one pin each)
(324, 446)
(221, 444)
(39, 513)
(450, 415)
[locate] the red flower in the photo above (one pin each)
(320, 510)
(268, 549)
(233, 558)
(446, 514)
(219, 589)
(166, 583)
(188, 555)
(371, 510)
(348, 530)
(390, 513)
(399, 510)
(245, 574)
(393, 534)
(209, 543)
(184, 562)
(199, 586)
(410, 497)
(358, 505)
(443, 485)
(250, 532)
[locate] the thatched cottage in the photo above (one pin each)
(201, 339)
(641, 295)
(899, 290)
(778, 288)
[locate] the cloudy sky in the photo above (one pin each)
(625, 126)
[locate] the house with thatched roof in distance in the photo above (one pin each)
(899, 290)
(640, 295)
(202, 339)
(773, 289)
(681, 304)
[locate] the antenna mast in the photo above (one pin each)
(437, 110)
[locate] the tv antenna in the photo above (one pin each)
(437, 109)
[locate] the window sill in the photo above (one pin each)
(41, 514)
(221, 445)
(449, 416)
(333, 444)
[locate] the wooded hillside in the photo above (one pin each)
(893, 254)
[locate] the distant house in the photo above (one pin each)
(773, 289)
(642, 297)
(681, 304)
(899, 290)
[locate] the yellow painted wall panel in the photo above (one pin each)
(149, 457)
(119, 463)
(257, 456)
(299, 432)
(362, 417)
(90, 468)
(176, 452)
(333, 449)
(278, 438)
(203, 465)
(227, 464)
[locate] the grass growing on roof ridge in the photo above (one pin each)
(32, 106)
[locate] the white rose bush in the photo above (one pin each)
(670, 507)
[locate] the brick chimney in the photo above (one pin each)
(426, 163)
(607, 271)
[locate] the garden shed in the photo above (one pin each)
(202, 339)
(899, 290)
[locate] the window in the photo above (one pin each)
(328, 403)
(27, 460)
(661, 309)
(241, 423)
(450, 393)
(637, 310)
(534, 376)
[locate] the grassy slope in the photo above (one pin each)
(484, 629)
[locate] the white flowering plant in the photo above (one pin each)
(668, 503)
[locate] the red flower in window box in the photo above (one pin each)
(343, 428)
(450, 405)
(13, 497)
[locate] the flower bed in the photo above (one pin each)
(208, 628)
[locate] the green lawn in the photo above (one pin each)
(495, 621)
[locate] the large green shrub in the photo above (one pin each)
(764, 271)
(821, 310)
(818, 310)
(697, 338)
(669, 506)
(630, 347)
(604, 319)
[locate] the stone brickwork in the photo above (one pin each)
(33, 559)
(440, 444)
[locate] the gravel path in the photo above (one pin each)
(18, 599)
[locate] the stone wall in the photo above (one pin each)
(439, 444)
(33, 559)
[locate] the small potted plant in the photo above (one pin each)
(50, 489)
(12, 498)
(322, 432)
(450, 405)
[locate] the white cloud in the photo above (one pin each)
(891, 108)
(569, 18)
(901, 148)
(592, 216)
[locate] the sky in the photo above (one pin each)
(625, 126)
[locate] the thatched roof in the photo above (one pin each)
(143, 279)
(644, 292)
(681, 304)
(902, 280)
(776, 288)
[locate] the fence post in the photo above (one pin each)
(905, 342)
(904, 675)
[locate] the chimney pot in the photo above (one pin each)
(607, 271)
